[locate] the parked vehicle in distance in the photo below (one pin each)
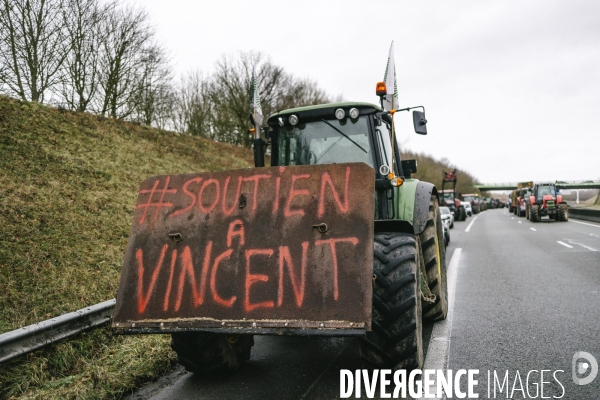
(447, 215)
(446, 233)
(467, 207)
(474, 201)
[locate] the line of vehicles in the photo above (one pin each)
(458, 206)
(537, 200)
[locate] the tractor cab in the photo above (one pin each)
(545, 191)
(341, 133)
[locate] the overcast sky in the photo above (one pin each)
(511, 88)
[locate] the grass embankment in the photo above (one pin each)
(68, 186)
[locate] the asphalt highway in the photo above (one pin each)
(525, 298)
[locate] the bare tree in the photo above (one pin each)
(82, 22)
(193, 110)
(31, 51)
(153, 95)
(125, 32)
(230, 94)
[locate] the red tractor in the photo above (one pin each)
(449, 199)
(476, 202)
(545, 201)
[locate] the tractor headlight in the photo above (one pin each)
(354, 113)
(293, 119)
(340, 113)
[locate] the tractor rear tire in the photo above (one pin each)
(534, 213)
(563, 212)
(396, 339)
(462, 214)
(207, 352)
(434, 257)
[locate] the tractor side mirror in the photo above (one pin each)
(409, 167)
(420, 122)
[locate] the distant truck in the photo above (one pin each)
(518, 205)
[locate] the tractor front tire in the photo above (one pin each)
(534, 213)
(396, 339)
(434, 257)
(207, 352)
(563, 212)
(527, 212)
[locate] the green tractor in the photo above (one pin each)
(334, 239)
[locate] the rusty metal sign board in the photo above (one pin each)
(260, 248)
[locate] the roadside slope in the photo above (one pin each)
(68, 186)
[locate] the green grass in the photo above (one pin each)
(68, 185)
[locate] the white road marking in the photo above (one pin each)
(584, 223)
(533, 229)
(582, 245)
(519, 221)
(564, 244)
(471, 224)
(438, 352)
(512, 217)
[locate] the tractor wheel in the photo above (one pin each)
(207, 352)
(396, 338)
(534, 213)
(527, 212)
(563, 212)
(462, 214)
(522, 212)
(434, 257)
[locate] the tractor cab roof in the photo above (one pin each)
(322, 111)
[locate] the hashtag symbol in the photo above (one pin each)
(160, 203)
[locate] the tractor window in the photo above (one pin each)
(325, 142)
(546, 190)
(384, 141)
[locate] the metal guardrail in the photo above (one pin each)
(27, 339)
(586, 214)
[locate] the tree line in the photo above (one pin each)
(103, 57)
